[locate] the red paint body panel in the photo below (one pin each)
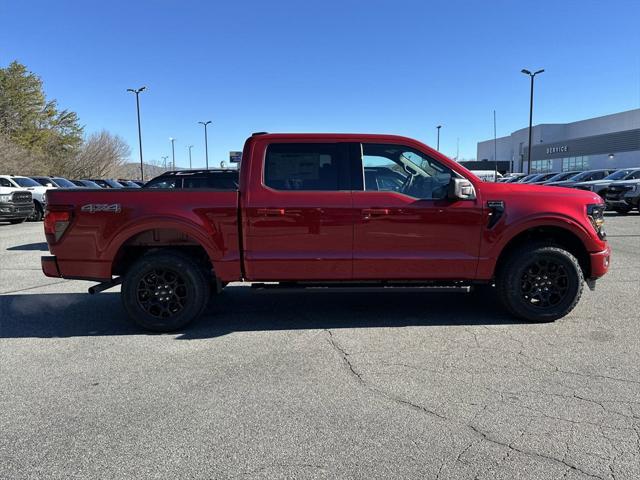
(316, 235)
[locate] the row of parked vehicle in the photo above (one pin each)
(24, 198)
(620, 189)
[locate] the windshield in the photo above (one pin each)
(618, 175)
(26, 182)
(582, 176)
(64, 183)
(531, 178)
(561, 176)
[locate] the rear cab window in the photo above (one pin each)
(307, 167)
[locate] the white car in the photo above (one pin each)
(38, 192)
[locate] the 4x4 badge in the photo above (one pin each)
(101, 207)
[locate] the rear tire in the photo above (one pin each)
(540, 283)
(165, 291)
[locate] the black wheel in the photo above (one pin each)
(15, 221)
(540, 283)
(38, 212)
(165, 291)
(622, 210)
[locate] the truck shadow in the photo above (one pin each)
(40, 246)
(240, 309)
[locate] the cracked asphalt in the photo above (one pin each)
(317, 384)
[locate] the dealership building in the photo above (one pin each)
(611, 141)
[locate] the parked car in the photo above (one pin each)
(62, 182)
(559, 177)
(543, 179)
(304, 214)
(15, 205)
(623, 196)
(38, 192)
(512, 177)
(86, 184)
(106, 182)
(128, 183)
(537, 177)
(217, 179)
(601, 186)
(138, 182)
(585, 176)
(45, 181)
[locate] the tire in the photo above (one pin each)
(38, 212)
(528, 271)
(174, 274)
(622, 210)
(16, 221)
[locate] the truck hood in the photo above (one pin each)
(595, 182)
(524, 190)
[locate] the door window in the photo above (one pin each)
(5, 183)
(389, 167)
(307, 166)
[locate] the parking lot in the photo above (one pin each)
(317, 384)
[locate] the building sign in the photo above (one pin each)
(235, 157)
(562, 148)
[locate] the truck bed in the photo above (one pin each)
(106, 226)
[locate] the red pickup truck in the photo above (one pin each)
(321, 209)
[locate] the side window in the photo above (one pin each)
(307, 166)
(404, 170)
(194, 182)
(164, 183)
(5, 183)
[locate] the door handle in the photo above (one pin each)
(374, 212)
(271, 212)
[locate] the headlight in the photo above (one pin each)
(5, 198)
(595, 212)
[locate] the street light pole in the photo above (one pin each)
(206, 146)
(173, 151)
(438, 144)
(165, 161)
(190, 147)
(137, 92)
(532, 76)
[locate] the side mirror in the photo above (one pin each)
(461, 189)
(49, 184)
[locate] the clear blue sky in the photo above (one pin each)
(343, 66)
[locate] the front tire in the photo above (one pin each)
(622, 210)
(38, 212)
(165, 291)
(540, 283)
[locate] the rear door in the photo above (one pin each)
(298, 213)
(405, 227)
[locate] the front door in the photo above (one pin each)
(405, 227)
(299, 217)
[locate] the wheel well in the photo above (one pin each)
(552, 235)
(156, 239)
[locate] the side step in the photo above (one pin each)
(417, 286)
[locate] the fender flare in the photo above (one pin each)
(185, 226)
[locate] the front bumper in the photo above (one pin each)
(10, 211)
(600, 263)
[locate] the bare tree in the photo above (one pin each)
(17, 160)
(101, 155)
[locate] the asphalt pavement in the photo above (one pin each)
(317, 384)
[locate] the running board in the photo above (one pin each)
(419, 286)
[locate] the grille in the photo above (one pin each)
(21, 197)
